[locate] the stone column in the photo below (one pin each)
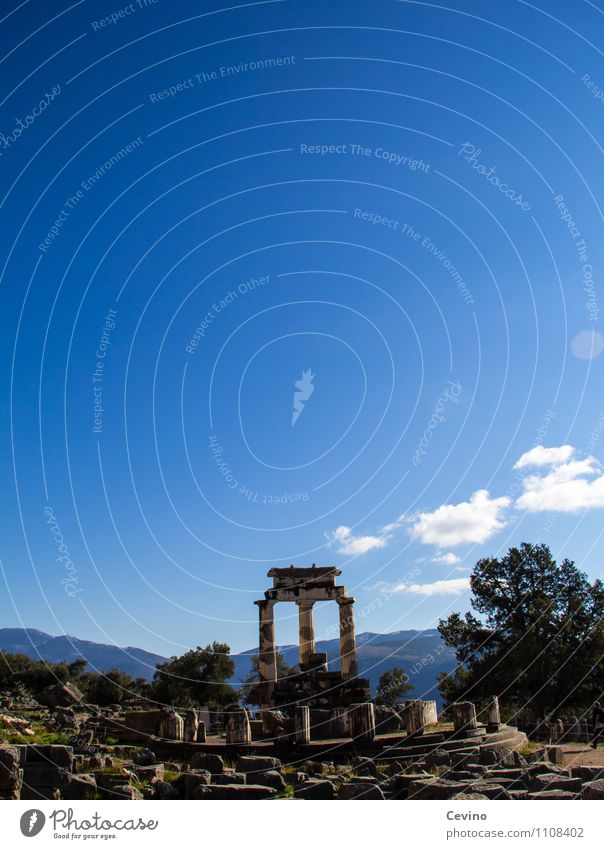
(238, 727)
(339, 722)
(171, 725)
(415, 717)
(191, 722)
(464, 716)
(302, 724)
(362, 721)
(267, 658)
(348, 645)
(201, 733)
(307, 630)
(493, 715)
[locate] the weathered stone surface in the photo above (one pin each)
(496, 755)
(148, 773)
(251, 763)
(554, 781)
(402, 781)
(60, 695)
(192, 780)
(270, 778)
(124, 791)
(555, 754)
(588, 773)
(213, 763)
(10, 774)
(315, 789)
(519, 760)
(238, 727)
(493, 713)
(464, 716)
(45, 775)
(145, 757)
(438, 757)
(302, 724)
(171, 725)
(48, 754)
(191, 723)
(538, 755)
(593, 789)
(553, 794)
(361, 718)
(490, 791)
(470, 797)
(233, 778)
(234, 791)
(365, 766)
(541, 767)
(437, 788)
(360, 790)
(80, 787)
(165, 790)
(415, 716)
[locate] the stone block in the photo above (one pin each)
(192, 780)
(437, 788)
(213, 763)
(593, 789)
(79, 787)
(554, 781)
(315, 789)
(270, 778)
(555, 754)
(234, 791)
(233, 778)
(48, 754)
(251, 763)
(588, 773)
(360, 790)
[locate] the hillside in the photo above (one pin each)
(100, 657)
(420, 653)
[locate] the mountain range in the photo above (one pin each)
(420, 653)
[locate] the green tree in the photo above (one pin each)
(76, 668)
(197, 677)
(392, 685)
(251, 691)
(538, 639)
(107, 688)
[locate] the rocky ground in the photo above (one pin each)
(53, 771)
(54, 752)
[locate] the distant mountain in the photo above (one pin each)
(421, 654)
(100, 657)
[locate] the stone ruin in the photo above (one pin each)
(314, 686)
(184, 755)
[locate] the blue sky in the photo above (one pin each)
(383, 219)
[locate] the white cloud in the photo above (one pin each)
(354, 544)
(540, 456)
(476, 520)
(447, 559)
(567, 487)
(454, 586)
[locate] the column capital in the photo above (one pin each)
(265, 603)
(305, 604)
(347, 599)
